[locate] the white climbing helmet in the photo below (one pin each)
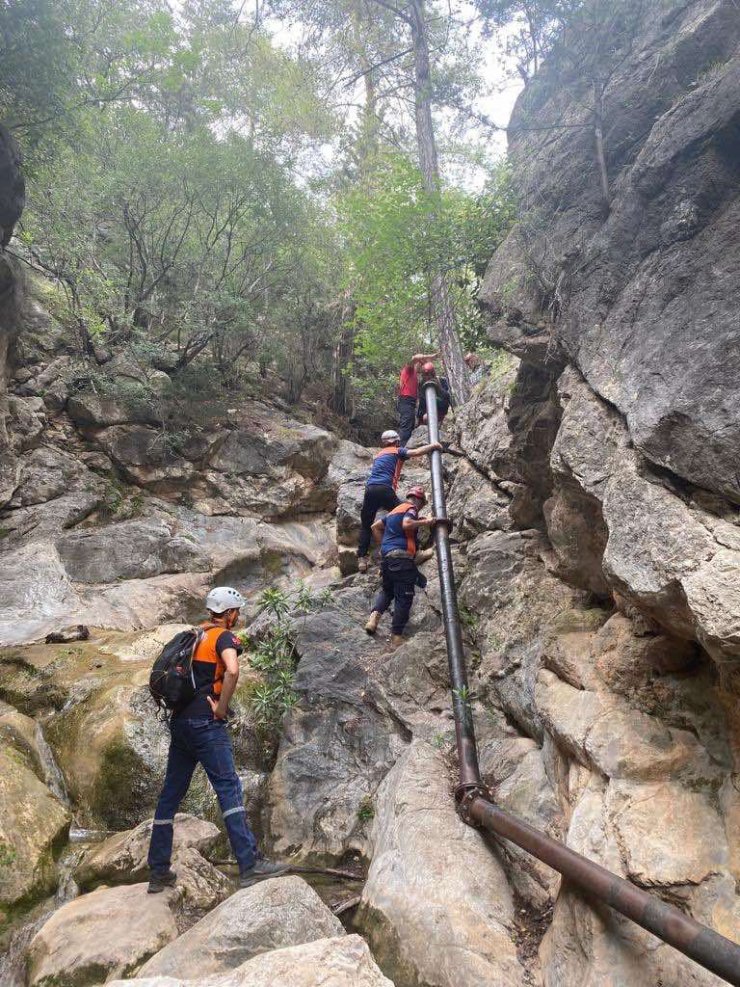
(223, 598)
(389, 437)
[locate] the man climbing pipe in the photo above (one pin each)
(398, 535)
(380, 489)
(408, 394)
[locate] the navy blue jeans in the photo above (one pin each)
(203, 741)
(399, 582)
(406, 408)
(377, 496)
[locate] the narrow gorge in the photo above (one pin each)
(595, 493)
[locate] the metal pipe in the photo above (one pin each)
(464, 727)
(702, 944)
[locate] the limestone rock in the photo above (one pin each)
(643, 289)
(670, 835)
(336, 962)
(143, 455)
(33, 824)
(48, 473)
(86, 408)
(337, 744)
(281, 912)
(675, 561)
(101, 935)
(122, 858)
(111, 747)
(345, 962)
(437, 908)
(128, 550)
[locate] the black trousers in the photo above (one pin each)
(377, 496)
(399, 582)
(406, 408)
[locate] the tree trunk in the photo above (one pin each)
(444, 316)
(343, 353)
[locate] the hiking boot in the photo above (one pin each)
(423, 556)
(397, 640)
(372, 625)
(261, 871)
(363, 564)
(160, 881)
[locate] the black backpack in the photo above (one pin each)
(172, 682)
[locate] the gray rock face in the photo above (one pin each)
(128, 550)
(281, 912)
(657, 547)
(337, 744)
(437, 908)
(12, 186)
(646, 297)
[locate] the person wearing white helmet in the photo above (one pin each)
(380, 490)
(398, 535)
(199, 736)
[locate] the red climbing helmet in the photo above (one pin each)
(417, 492)
(428, 370)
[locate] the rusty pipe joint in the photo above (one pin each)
(465, 795)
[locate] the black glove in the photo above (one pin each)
(421, 580)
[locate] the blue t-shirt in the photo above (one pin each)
(387, 466)
(394, 537)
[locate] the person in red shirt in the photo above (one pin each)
(408, 394)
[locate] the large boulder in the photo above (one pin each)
(33, 825)
(111, 746)
(337, 962)
(664, 551)
(108, 933)
(282, 912)
(122, 857)
(641, 290)
(436, 908)
(337, 743)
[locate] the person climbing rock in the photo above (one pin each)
(380, 489)
(398, 535)
(408, 394)
(444, 398)
(199, 736)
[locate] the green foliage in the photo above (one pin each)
(397, 235)
(366, 810)
(275, 658)
(275, 602)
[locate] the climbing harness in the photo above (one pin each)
(475, 802)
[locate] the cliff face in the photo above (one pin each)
(597, 555)
(642, 304)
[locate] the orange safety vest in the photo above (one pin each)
(211, 667)
(394, 528)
